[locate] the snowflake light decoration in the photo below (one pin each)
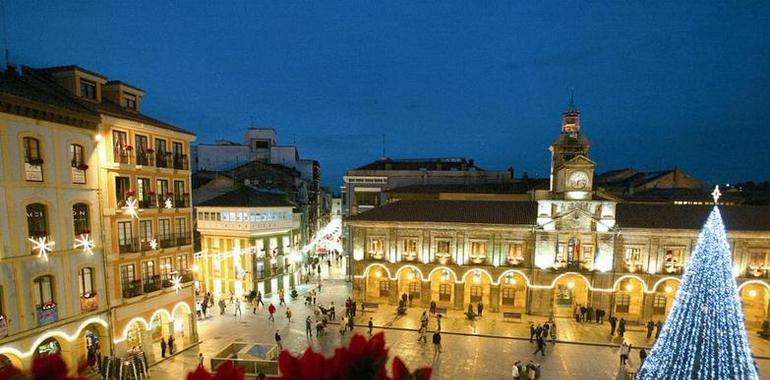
(42, 246)
(176, 283)
(153, 244)
(132, 207)
(716, 194)
(168, 203)
(85, 242)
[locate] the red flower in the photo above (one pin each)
(200, 373)
(400, 372)
(51, 367)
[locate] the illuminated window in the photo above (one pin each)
(81, 222)
(33, 169)
(445, 292)
(509, 296)
(478, 252)
(37, 220)
(476, 293)
(659, 304)
(410, 249)
(77, 158)
(414, 289)
(377, 248)
(515, 253)
(674, 260)
(129, 101)
(384, 288)
(622, 302)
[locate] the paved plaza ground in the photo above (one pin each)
(485, 349)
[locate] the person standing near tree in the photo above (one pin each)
(613, 325)
(371, 326)
(642, 357)
(238, 307)
(308, 327)
(162, 347)
(278, 340)
(480, 308)
(650, 327)
(658, 327)
(288, 314)
(621, 327)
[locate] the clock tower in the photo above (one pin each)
(572, 171)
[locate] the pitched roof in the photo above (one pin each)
(106, 106)
(38, 89)
(420, 163)
(736, 218)
(248, 197)
(482, 212)
(517, 187)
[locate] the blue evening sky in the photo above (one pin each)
(659, 85)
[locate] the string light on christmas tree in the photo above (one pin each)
(176, 283)
(42, 246)
(704, 336)
(132, 207)
(85, 242)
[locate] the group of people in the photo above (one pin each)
(167, 346)
(589, 314)
(530, 371)
(479, 308)
(625, 352)
(539, 334)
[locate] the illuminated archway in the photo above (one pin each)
(664, 292)
(376, 266)
(513, 291)
(755, 298)
(477, 286)
(377, 279)
(629, 297)
(442, 286)
(409, 282)
(570, 290)
(11, 360)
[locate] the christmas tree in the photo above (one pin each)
(704, 336)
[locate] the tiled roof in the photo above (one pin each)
(668, 216)
(420, 163)
(248, 197)
(38, 89)
(518, 187)
(483, 212)
(106, 106)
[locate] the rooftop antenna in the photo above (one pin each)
(384, 148)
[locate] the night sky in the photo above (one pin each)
(658, 85)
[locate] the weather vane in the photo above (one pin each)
(716, 194)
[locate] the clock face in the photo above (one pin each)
(578, 180)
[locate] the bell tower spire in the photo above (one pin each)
(570, 120)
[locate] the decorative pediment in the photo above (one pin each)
(580, 160)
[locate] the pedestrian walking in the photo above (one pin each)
(259, 299)
(278, 340)
(540, 346)
(658, 327)
(238, 308)
(308, 327)
(480, 308)
(288, 314)
(625, 349)
(162, 347)
(642, 357)
(271, 311)
(532, 332)
(222, 306)
(613, 325)
(371, 326)
(621, 327)
(200, 359)
(343, 326)
(436, 343)
(650, 327)
(281, 299)
(350, 323)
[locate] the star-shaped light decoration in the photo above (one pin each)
(42, 246)
(132, 207)
(153, 244)
(168, 203)
(176, 283)
(716, 194)
(85, 242)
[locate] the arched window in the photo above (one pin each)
(81, 219)
(77, 159)
(44, 290)
(86, 281)
(37, 220)
(32, 151)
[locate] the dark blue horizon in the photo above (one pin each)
(659, 85)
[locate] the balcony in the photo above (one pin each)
(182, 201)
(143, 158)
(182, 240)
(89, 302)
(151, 284)
(166, 283)
(181, 162)
(149, 202)
(163, 160)
(187, 275)
(122, 154)
(130, 245)
(133, 289)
